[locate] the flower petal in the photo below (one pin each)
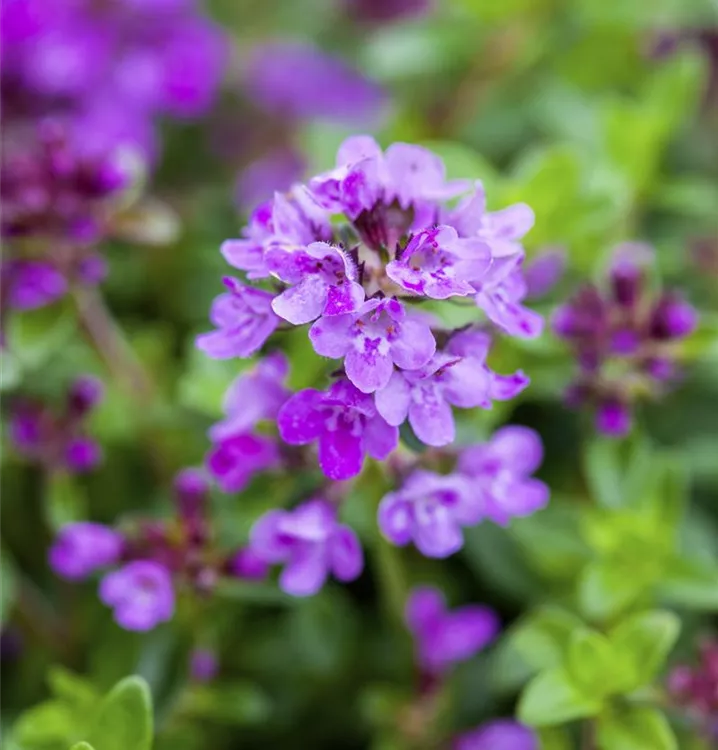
(415, 345)
(346, 558)
(392, 402)
(340, 454)
(301, 419)
(302, 303)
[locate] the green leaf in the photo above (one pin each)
(604, 474)
(7, 585)
(691, 583)
(635, 728)
(605, 588)
(590, 661)
(642, 643)
(39, 335)
(64, 501)
(72, 688)
(552, 698)
(410, 440)
(124, 720)
(240, 703)
(82, 746)
(48, 722)
(543, 637)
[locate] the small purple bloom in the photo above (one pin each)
(372, 340)
(344, 421)
(276, 171)
(85, 394)
(140, 593)
(323, 281)
(203, 665)
(502, 734)
(425, 396)
(382, 11)
(500, 298)
(82, 548)
(296, 80)
(673, 318)
(32, 284)
(437, 264)
(444, 638)
(191, 489)
(613, 418)
(499, 473)
(248, 564)
(235, 459)
(254, 396)
(543, 272)
(82, 454)
(244, 320)
(430, 510)
(311, 545)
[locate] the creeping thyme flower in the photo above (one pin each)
(444, 638)
(311, 545)
(57, 440)
(502, 734)
(499, 470)
(82, 548)
(141, 594)
(430, 511)
(624, 339)
(345, 423)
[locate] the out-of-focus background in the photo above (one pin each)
(602, 115)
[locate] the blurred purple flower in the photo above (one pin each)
(543, 272)
(248, 564)
(501, 734)
(31, 284)
(82, 548)
(310, 544)
(381, 11)
(444, 638)
(293, 79)
(244, 320)
(372, 340)
(430, 510)
(277, 170)
(203, 665)
(344, 421)
(235, 459)
(140, 593)
(498, 472)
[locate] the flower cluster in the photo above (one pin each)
(57, 441)
(624, 338)
(695, 690)
(152, 558)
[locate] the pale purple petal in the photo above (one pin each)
(344, 298)
(414, 347)
(395, 519)
(346, 559)
(424, 607)
(431, 418)
(369, 369)
(503, 734)
(519, 448)
(506, 387)
(380, 438)
(301, 420)
(330, 335)
(340, 454)
(512, 222)
(392, 402)
(440, 537)
(266, 539)
(467, 385)
(302, 303)
(305, 573)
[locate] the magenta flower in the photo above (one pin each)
(82, 548)
(499, 473)
(502, 734)
(437, 264)
(372, 340)
(311, 545)
(31, 284)
(430, 510)
(345, 423)
(426, 395)
(244, 320)
(323, 282)
(248, 565)
(296, 80)
(235, 459)
(445, 638)
(254, 396)
(140, 593)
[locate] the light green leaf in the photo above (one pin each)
(124, 720)
(543, 637)
(64, 501)
(591, 662)
(692, 584)
(635, 728)
(7, 586)
(606, 588)
(51, 721)
(552, 698)
(604, 474)
(82, 746)
(642, 643)
(72, 688)
(240, 703)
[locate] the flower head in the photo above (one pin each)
(345, 423)
(82, 548)
(311, 545)
(444, 638)
(140, 593)
(235, 459)
(502, 734)
(430, 510)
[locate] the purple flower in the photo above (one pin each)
(235, 459)
(425, 396)
(430, 510)
(82, 548)
(254, 396)
(277, 170)
(85, 394)
(673, 318)
(323, 282)
(445, 638)
(191, 489)
(501, 734)
(498, 472)
(437, 264)
(82, 454)
(381, 11)
(140, 593)
(248, 564)
(543, 272)
(244, 320)
(32, 284)
(613, 418)
(372, 340)
(203, 665)
(310, 544)
(296, 80)
(344, 421)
